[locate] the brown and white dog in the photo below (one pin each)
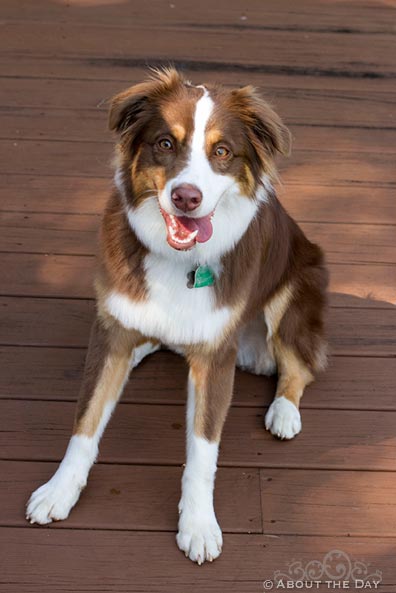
(198, 255)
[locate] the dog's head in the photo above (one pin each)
(192, 159)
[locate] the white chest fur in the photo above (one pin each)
(172, 312)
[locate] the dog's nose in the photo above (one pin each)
(186, 197)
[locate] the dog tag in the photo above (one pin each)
(202, 276)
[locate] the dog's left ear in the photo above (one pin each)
(267, 131)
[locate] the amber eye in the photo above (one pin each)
(222, 152)
(165, 144)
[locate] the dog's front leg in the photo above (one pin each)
(210, 386)
(106, 370)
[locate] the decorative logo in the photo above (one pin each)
(335, 566)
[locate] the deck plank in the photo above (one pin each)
(279, 14)
(368, 54)
(135, 497)
(122, 72)
(328, 503)
(133, 562)
(354, 383)
(114, 499)
(154, 434)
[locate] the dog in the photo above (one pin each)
(197, 255)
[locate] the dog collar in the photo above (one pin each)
(201, 276)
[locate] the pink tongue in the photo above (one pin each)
(202, 225)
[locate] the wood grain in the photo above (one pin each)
(328, 502)
(135, 498)
(139, 562)
(279, 14)
(154, 434)
(355, 383)
(368, 54)
(122, 72)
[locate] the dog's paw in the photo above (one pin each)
(53, 501)
(283, 419)
(199, 538)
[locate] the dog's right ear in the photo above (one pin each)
(127, 107)
(132, 105)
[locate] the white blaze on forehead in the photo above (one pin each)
(203, 111)
(198, 170)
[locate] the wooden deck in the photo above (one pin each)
(330, 69)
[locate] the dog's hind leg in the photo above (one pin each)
(109, 359)
(255, 352)
(210, 386)
(295, 329)
(283, 417)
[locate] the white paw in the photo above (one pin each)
(283, 419)
(53, 501)
(199, 537)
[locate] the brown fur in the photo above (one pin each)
(294, 375)
(161, 106)
(122, 254)
(273, 269)
(255, 131)
(212, 374)
(283, 260)
(106, 369)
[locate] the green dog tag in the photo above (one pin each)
(203, 276)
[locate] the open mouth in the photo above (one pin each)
(184, 232)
